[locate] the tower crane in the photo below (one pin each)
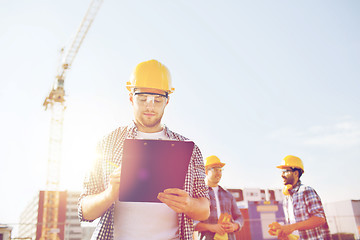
(55, 101)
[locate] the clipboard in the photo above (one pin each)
(151, 166)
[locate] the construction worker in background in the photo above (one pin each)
(225, 217)
(149, 89)
(304, 212)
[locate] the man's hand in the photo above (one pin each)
(180, 201)
(217, 228)
(285, 230)
(274, 228)
(113, 189)
(230, 227)
(177, 199)
(94, 206)
(282, 231)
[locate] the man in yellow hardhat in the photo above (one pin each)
(225, 217)
(149, 89)
(304, 212)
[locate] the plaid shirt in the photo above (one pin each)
(97, 180)
(307, 203)
(227, 205)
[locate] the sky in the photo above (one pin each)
(254, 81)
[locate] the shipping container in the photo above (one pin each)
(344, 217)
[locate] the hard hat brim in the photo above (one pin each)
(213, 164)
(284, 167)
(130, 87)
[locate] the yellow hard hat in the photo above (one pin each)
(291, 161)
(151, 74)
(212, 160)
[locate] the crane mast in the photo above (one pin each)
(56, 102)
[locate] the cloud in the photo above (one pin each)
(342, 134)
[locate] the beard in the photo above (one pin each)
(288, 181)
(149, 121)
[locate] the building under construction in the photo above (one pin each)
(259, 207)
(69, 227)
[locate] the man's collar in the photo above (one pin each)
(295, 188)
(133, 131)
(220, 188)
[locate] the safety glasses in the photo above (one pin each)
(144, 98)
